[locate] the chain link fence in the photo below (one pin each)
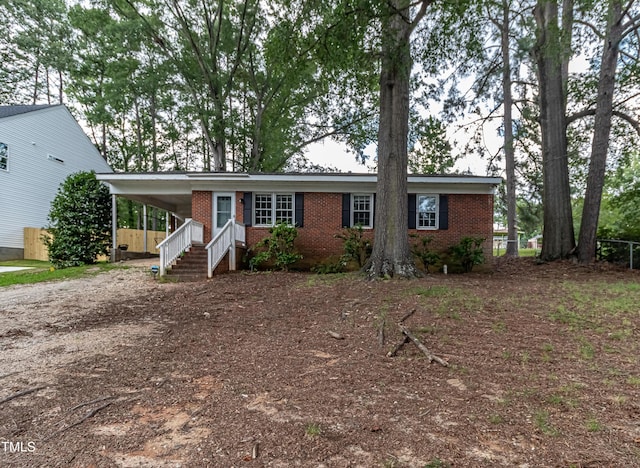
(619, 252)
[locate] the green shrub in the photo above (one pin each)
(79, 221)
(356, 247)
(329, 266)
(468, 252)
(278, 248)
(420, 250)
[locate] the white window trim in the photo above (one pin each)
(273, 208)
(427, 228)
(371, 209)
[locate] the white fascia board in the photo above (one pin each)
(184, 183)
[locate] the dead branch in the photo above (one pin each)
(399, 346)
(8, 375)
(407, 315)
(97, 400)
(421, 347)
(21, 393)
(88, 415)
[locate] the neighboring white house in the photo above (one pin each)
(39, 147)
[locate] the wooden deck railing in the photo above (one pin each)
(177, 243)
(223, 242)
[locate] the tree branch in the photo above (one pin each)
(591, 112)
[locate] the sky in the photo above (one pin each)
(334, 154)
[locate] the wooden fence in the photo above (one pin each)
(34, 248)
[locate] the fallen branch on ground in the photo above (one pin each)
(405, 340)
(88, 415)
(97, 400)
(407, 337)
(22, 393)
(421, 347)
(398, 347)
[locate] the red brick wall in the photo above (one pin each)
(469, 215)
(202, 211)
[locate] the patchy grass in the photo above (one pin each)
(43, 271)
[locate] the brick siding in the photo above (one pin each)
(202, 211)
(469, 215)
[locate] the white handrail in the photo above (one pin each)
(179, 241)
(223, 242)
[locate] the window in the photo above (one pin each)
(284, 209)
(362, 210)
(427, 212)
(4, 157)
(264, 208)
(273, 208)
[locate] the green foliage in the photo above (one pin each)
(420, 250)
(278, 248)
(431, 152)
(468, 252)
(329, 266)
(79, 221)
(356, 246)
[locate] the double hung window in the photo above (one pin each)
(273, 208)
(427, 212)
(362, 210)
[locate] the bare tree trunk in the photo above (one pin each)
(391, 255)
(512, 229)
(36, 83)
(60, 88)
(602, 129)
(558, 234)
(154, 132)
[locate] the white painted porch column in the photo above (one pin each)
(144, 228)
(114, 227)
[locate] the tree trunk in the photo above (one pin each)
(602, 129)
(512, 229)
(391, 255)
(558, 234)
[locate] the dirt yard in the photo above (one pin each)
(287, 369)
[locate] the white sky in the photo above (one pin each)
(334, 154)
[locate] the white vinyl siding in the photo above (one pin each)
(32, 180)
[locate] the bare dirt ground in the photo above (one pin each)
(120, 370)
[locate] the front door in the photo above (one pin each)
(223, 210)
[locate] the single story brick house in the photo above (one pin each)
(446, 207)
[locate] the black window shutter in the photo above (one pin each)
(299, 215)
(443, 213)
(346, 210)
(373, 212)
(247, 199)
(412, 211)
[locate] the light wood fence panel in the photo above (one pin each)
(34, 248)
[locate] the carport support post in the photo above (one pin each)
(114, 227)
(144, 224)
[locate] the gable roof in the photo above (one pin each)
(8, 111)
